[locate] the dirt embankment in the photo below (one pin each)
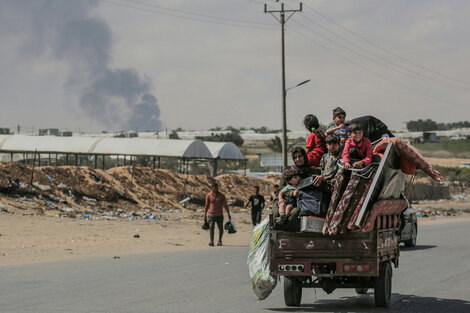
(61, 213)
(71, 190)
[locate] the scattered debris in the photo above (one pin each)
(41, 187)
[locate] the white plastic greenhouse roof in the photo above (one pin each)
(224, 150)
(46, 144)
(158, 147)
(103, 145)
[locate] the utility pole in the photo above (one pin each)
(283, 20)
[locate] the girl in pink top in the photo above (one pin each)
(358, 149)
(316, 146)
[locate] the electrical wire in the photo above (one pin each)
(371, 71)
(395, 69)
(199, 14)
(388, 63)
(233, 24)
(394, 66)
(390, 52)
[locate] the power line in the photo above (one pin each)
(238, 24)
(394, 65)
(385, 49)
(373, 72)
(199, 14)
(395, 69)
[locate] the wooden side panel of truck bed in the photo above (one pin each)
(309, 249)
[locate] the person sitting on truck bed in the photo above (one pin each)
(288, 194)
(299, 156)
(340, 128)
(358, 149)
(329, 162)
(315, 146)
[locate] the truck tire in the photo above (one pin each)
(361, 291)
(292, 291)
(414, 235)
(383, 285)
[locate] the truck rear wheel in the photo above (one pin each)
(292, 291)
(383, 286)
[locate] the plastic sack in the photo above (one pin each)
(230, 227)
(205, 225)
(262, 282)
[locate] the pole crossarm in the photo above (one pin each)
(282, 20)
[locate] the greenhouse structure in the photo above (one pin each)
(107, 152)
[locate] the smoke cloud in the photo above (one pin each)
(66, 30)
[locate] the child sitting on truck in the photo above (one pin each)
(341, 129)
(315, 147)
(314, 201)
(358, 149)
(329, 161)
(288, 194)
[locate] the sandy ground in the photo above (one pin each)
(31, 239)
(446, 162)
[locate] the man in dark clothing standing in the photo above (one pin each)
(257, 206)
(213, 212)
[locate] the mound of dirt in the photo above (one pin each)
(118, 191)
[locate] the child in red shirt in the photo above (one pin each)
(358, 149)
(316, 146)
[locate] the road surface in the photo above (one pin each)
(433, 277)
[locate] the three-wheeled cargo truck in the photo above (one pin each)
(360, 259)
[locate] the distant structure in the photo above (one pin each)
(106, 152)
(48, 132)
(4, 131)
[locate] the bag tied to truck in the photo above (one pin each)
(262, 282)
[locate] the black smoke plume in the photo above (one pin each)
(67, 30)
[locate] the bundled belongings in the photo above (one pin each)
(373, 128)
(409, 158)
(357, 190)
(311, 224)
(262, 282)
(309, 202)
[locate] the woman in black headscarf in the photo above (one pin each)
(299, 156)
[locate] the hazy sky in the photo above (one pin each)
(197, 64)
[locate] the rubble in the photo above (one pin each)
(118, 193)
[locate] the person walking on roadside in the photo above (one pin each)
(257, 206)
(213, 212)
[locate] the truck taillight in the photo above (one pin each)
(360, 268)
(291, 267)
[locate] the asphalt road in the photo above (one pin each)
(433, 277)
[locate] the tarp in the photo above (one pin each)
(373, 128)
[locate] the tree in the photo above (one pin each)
(174, 135)
(275, 144)
(233, 136)
(422, 125)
